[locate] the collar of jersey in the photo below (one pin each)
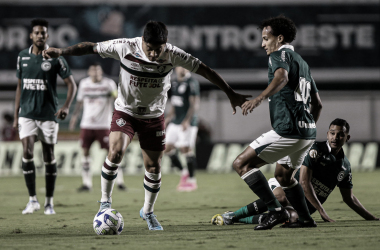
(31, 47)
(286, 47)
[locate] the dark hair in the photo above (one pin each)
(155, 33)
(281, 25)
(342, 123)
(95, 63)
(38, 22)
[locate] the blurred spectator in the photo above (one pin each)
(7, 131)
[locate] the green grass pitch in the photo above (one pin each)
(184, 216)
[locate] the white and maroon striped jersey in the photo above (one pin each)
(143, 84)
(97, 102)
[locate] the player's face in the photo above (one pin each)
(270, 42)
(337, 136)
(39, 36)
(152, 51)
(96, 73)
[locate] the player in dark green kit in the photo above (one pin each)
(324, 168)
(295, 107)
(182, 131)
(36, 110)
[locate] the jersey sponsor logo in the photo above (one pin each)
(182, 88)
(320, 189)
(25, 65)
(25, 58)
(303, 124)
(160, 133)
(120, 122)
(46, 66)
(161, 69)
(34, 84)
(144, 82)
(313, 153)
(340, 176)
(177, 101)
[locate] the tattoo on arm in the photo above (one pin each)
(80, 49)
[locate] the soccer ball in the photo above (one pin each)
(108, 222)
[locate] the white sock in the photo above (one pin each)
(109, 173)
(120, 177)
(86, 171)
(33, 198)
(49, 200)
(152, 184)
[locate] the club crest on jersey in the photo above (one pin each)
(161, 69)
(120, 122)
(340, 175)
(46, 66)
(313, 153)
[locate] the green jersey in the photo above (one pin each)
(181, 91)
(289, 108)
(329, 171)
(38, 77)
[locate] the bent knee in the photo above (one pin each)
(115, 155)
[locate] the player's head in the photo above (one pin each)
(95, 71)
(338, 134)
(277, 31)
(154, 39)
(39, 32)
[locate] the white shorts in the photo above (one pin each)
(179, 138)
(46, 131)
(271, 147)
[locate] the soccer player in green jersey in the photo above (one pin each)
(36, 110)
(183, 126)
(324, 168)
(295, 107)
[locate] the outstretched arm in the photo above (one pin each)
(279, 81)
(235, 98)
(306, 175)
(71, 90)
(350, 199)
(80, 49)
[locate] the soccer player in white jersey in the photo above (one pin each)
(95, 95)
(145, 66)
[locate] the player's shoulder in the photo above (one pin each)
(174, 51)
(346, 163)
(24, 52)
(318, 149)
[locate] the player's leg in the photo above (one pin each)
(28, 132)
(294, 192)
(171, 132)
(48, 134)
(87, 137)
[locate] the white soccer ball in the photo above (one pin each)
(108, 222)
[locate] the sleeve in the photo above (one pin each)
(194, 87)
(310, 159)
(18, 72)
(64, 69)
(278, 60)
(313, 86)
(80, 91)
(183, 59)
(347, 181)
(115, 49)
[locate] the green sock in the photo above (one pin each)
(50, 177)
(296, 197)
(246, 220)
(241, 213)
(259, 185)
(29, 171)
(255, 219)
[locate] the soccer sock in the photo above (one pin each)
(256, 207)
(174, 158)
(109, 174)
(50, 177)
(152, 184)
(191, 164)
(120, 177)
(86, 171)
(49, 200)
(259, 185)
(29, 171)
(296, 196)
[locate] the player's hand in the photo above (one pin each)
(237, 100)
(325, 217)
(51, 53)
(62, 113)
(248, 106)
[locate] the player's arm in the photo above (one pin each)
(80, 49)
(279, 81)
(71, 90)
(353, 202)
(235, 98)
(194, 102)
(315, 106)
(74, 117)
(306, 175)
(17, 104)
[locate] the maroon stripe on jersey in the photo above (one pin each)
(108, 167)
(134, 59)
(152, 181)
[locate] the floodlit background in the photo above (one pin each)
(339, 39)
